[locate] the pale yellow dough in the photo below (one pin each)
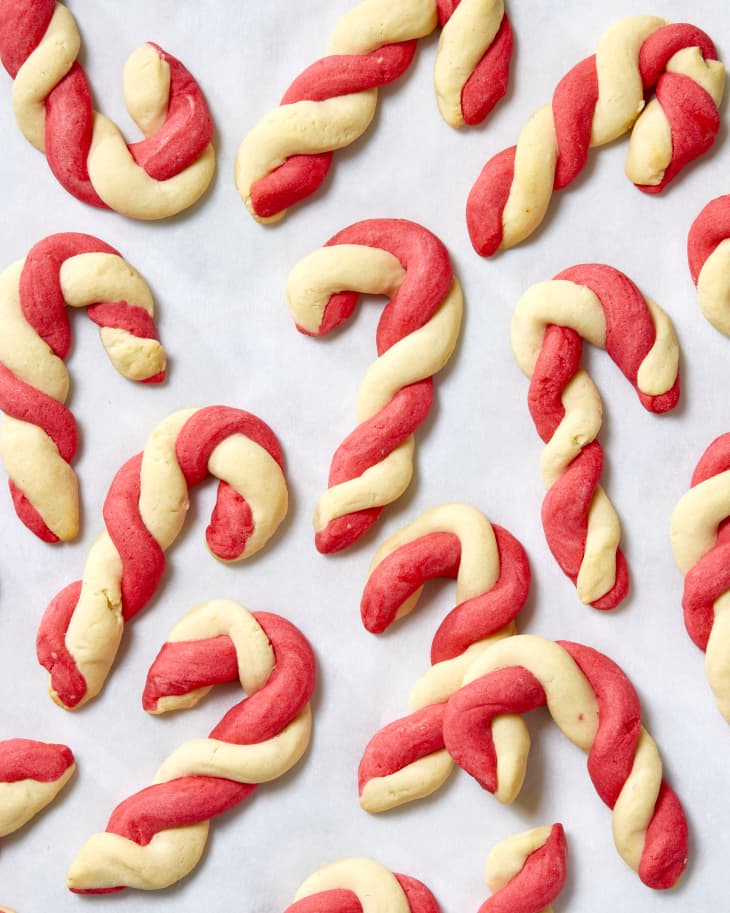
(24, 799)
(376, 887)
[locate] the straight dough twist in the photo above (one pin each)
(152, 179)
(144, 512)
(38, 434)
(700, 534)
(602, 305)
(31, 776)
(287, 155)
(597, 101)
(416, 336)
(708, 251)
(492, 581)
(596, 707)
(156, 836)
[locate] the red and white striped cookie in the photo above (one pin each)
(144, 512)
(163, 174)
(416, 336)
(38, 434)
(31, 776)
(157, 836)
(708, 251)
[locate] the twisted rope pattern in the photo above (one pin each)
(600, 304)
(157, 836)
(144, 512)
(31, 776)
(596, 102)
(700, 534)
(527, 872)
(596, 707)
(38, 435)
(407, 760)
(708, 251)
(152, 179)
(286, 157)
(416, 336)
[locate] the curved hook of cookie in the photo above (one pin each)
(597, 101)
(603, 306)
(31, 776)
(158, 177)
(144, 512)
(596, 707)
(708, 252)
(38, 434)
(156, 836)
(416, 336)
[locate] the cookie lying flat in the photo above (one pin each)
(38, 435)
(31, 776)
(287, 155)
(596, 707)
(597, 101)
(362, 886)
(406, 760)
(144, 512)
(526, 872)
(600, 304)
(700, 535)
(416, 336)
(708, 251)
(155, 837)
(152, 179)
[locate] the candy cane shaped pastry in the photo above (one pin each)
(416, 336)
(31, 776)
(700, 535)
(527, 871)
(602, 305)
(287, 155)
(155, 837)
(708, 251)
(597, 101)
(596, 707)
(359, 885)
(144, 512)
(38, 435)
(161, 175)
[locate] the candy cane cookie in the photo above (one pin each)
(602, 305)
(416, 336)
(700, 535)
(32, 774)
(708, 251)
(38, 434)
(492, 582)
(595, 706)
(597, 101)
(157, 177)
(287, 155)
(358, 885)
(157, 836)
(144, 512)
(526, 872)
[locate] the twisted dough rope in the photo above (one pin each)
(38, 435)
(708, 251)
(155, 837)
(286, 157)
(31, 776)
(602, 305)
(144, 511)
(595, 705)
(152, 179)
(597, 101)
(700, 535)
(415, 338)
(526, 872)
(360, 885)
(406, 760)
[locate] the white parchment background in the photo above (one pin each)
(219, 280)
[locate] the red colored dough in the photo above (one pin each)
(26, 759)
